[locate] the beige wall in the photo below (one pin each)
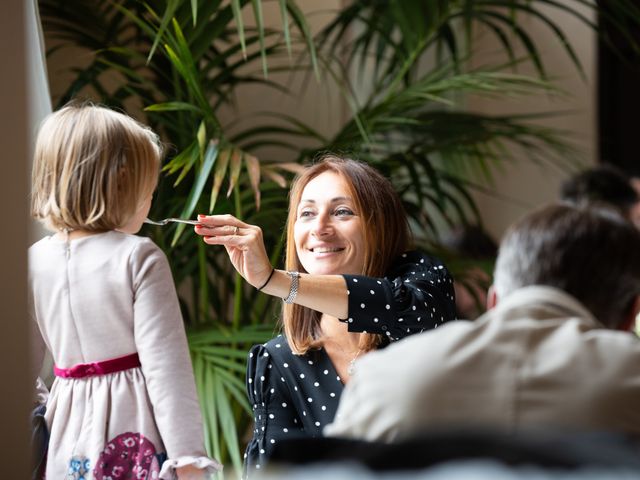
(523, 185)
(15, 399)
(314, 101)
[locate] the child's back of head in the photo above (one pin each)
(93, 167)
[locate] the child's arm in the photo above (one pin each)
(164, 355)
(190, 472)
(38, 348)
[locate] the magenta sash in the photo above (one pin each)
(99, 368)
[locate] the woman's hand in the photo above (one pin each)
(243, 242)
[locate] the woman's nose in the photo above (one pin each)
(321, 226)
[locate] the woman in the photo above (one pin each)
(361, 289)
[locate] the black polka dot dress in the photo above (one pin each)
(297, 395)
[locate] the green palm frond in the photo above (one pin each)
(390, 31)
(219, 363)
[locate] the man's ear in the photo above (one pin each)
(629, 323)
(492, 298)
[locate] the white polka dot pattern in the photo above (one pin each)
(291, 395)
(295, 395)
(396, 305)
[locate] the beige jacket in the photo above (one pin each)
(538, 359)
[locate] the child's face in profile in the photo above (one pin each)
(135, 222)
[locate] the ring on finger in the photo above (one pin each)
(235, 230)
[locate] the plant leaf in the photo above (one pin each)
(220, 172)
(234, 169)
(253, 169)
(196, 191)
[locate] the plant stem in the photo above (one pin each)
(204, 288)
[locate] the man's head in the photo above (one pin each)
(603, 185)
(590, 252)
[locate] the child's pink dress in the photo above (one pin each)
(99, 298)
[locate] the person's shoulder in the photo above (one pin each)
(118, 243)
(449, 330)
(420, 258)
(40, 245)
(39, 254)
(434, 344)
(412, 261)
(134, 241)
(418, 352)
(619, 341)
(139, 249)
(276, 347)
(614, 351)
(278, 343)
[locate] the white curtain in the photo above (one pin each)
(39, 107)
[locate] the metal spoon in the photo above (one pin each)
(167, 220)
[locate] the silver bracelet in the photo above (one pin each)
(293, 290)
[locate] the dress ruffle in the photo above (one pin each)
(41, 392)
(204, 463)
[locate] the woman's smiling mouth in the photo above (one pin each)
(326, 249)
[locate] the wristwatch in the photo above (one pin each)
(293, 290)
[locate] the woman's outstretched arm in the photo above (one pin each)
(245, 245)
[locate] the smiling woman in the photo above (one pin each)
(361, 287)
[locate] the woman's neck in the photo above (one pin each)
(333, 330)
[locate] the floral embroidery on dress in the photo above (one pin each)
(78, 468)
(128, 456)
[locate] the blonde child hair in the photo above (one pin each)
(93, 167)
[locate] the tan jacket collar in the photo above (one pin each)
(543, 302)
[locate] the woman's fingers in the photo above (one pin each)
(244, 244)
(223, 230)
(220, 220)
(222, 225)
(226, 240)
(239, 237)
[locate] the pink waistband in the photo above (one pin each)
(99, 368)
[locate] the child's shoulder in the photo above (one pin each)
(42, 243)
(111, 241)
(140, 253)
(137, 245)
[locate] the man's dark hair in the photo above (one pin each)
(590, 252)
(600, 185)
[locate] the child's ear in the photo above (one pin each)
(492, 298)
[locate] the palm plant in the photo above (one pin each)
(182, 61)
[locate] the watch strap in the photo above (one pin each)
(293, 289)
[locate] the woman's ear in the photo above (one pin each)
(629, 323)
(492, 298)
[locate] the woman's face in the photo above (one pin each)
(328, 231)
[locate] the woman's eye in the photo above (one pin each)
(342, 212)
(305, 213)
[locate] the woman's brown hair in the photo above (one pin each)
(93, 168)
(386, 236)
